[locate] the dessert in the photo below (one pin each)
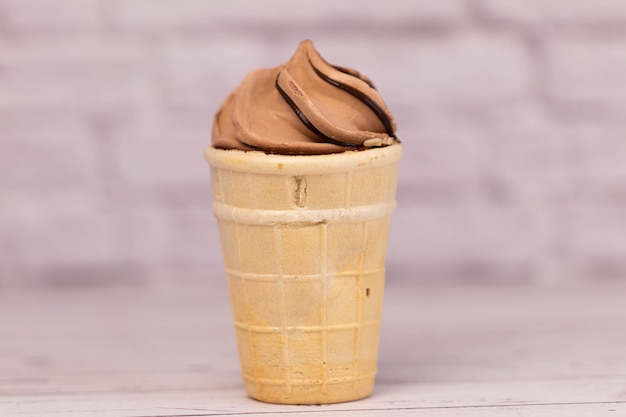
(304, 171)
(305, 106)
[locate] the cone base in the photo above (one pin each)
(311, 394)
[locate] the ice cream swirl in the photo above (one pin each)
(305, 106)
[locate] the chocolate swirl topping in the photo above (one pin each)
(305, 106)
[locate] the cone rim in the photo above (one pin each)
(262, 163)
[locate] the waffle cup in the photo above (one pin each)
(304, 240)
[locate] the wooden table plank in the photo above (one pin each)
(455, 398)
(445, 351)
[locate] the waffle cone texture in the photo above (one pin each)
(304, 241)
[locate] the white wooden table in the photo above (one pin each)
(444, 352)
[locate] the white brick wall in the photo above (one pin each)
(550, 12)
(74, 72)
(200, 73)
(157, 15)
(586, 69)
(58, 155)
(39, 16)
(511, 112)
(57, 225)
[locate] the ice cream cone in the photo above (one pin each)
(304, 240)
